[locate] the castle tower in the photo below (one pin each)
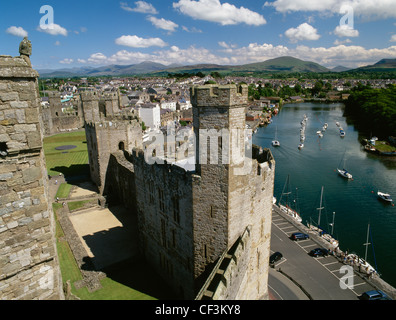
(233, 194)
(29, 266)
(106, 137)
(90, 106)
(111, 103)
(54, 101)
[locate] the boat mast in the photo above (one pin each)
(332, 224)
(367, 243)
(320, 206)
(287, 187)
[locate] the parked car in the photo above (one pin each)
(275, 257)
(299, 236)
(374, 295)
(319, 252)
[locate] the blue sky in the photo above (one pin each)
(95, 33)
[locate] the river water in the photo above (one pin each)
(353, 203)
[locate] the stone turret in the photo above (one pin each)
(29, 266)
(90, 105)
(234, 191)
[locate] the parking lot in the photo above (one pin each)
(322, 278)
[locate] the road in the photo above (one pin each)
(319, 278)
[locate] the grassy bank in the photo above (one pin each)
(68, 162)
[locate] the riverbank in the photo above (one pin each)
(355, 202)
(382, 148)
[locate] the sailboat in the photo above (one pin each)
(343, 172)
(275, 142)
(286, 207)
(324, 234)
(384, 196)
(364, 265)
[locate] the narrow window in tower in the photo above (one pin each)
(176, 211)
(163, 233)
(174, 238)
(220, 151)
(151, 191)
(208, 150)
(211, 211)
(205, 251)
(161, 200)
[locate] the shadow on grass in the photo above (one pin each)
(76, 172)
(136, 273)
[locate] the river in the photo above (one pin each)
(354, 202)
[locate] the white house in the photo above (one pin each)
(150, 113)
(170, 104)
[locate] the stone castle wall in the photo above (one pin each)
(105, 137)
(29, 267)
(187, 220)
(164, 202)
(55, 121)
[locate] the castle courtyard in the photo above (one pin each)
(105, 238)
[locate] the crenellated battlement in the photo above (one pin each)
(219, 96)
(89, 96)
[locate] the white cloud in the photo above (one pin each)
(163, 24)
(303, 32)
(141, 6)
(52, 29)
(66, 61)
(97, 58)
(338, 42)
(349, 56)
(81, 61)
(365, 8)
(346, 31)
(192, 29)
(393, 38)
(137, 42)
(214, 11)
(17, 31)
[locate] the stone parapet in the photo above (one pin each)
(29, 266)
(219, 96)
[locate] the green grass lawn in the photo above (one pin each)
(63, 190)
(384, 147)
(67, 162)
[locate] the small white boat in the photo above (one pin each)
(384, 196)
(290, 212)
(344, 173)
(275, 142)
(300, 146)
(342, 133)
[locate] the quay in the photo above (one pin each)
(319, 278)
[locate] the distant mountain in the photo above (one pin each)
(111, 70)
(384, 65)
(283, 64)
(278, 65)
(340, 69)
